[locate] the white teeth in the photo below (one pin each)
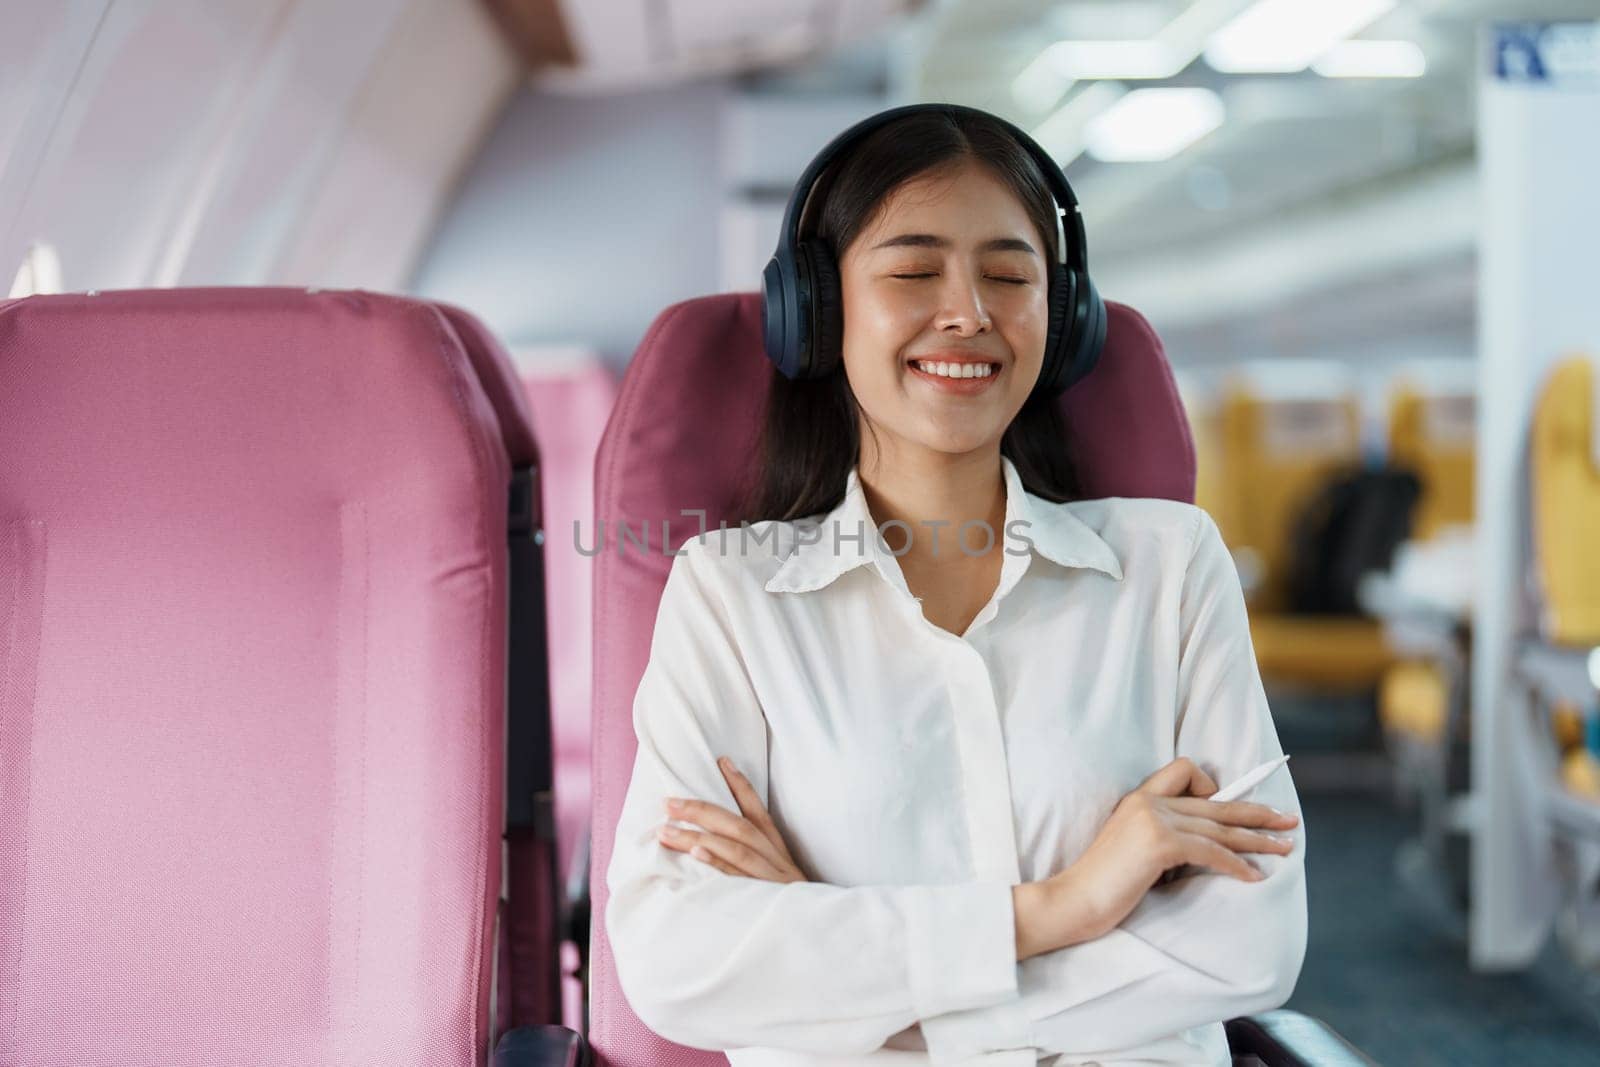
(955, 370)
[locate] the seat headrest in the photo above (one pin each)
(498, 377)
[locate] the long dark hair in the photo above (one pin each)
(810, 438)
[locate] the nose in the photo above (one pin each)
(961, 308)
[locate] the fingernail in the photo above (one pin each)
(674, 804)
(667, 832)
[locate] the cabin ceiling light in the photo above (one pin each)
(1284, 36)
(1372, 59)
(1148, 125)
(1045, 80)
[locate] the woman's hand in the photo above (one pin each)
(1156, 828)
(749, 846)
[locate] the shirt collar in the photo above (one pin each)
(829, 547)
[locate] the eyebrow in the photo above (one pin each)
(928, 240)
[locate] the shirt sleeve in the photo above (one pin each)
(717, 961)
(1199, 950)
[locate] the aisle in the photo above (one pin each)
(1389, 971)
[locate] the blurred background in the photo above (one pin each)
(1366, 231)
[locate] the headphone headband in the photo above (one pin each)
(1071, 253)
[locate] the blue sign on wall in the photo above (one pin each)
(1556, 53)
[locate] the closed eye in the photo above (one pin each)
(1011, 281)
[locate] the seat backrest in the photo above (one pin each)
(1565, 486)
(1434, 434)
(1277, 452)
(501, 384)
(682, 437)
(252, 679)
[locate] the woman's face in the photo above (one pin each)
(952, 271)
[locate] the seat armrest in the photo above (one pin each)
(541, 1046)
(1290, 1039)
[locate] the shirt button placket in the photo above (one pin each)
(986, 780)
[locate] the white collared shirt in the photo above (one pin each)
(917, 776)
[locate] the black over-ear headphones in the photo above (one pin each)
(801, 317)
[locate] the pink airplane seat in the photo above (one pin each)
(254, 584)
(683, 437)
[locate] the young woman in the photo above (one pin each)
(939, 795)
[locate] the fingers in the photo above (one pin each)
(727, 856)
(1235, 838)
(1181, 777)
(700, 853)
(679, 840)
(1236, 812)
(723, 823)
(725, 868)
(750, 804)
(1207, 853)
(748, 844)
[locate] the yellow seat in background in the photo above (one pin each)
(1275, 454)
(1565, 456)
(1566, 504)
(1434, 435)
(1322, 652)
(1269, 455)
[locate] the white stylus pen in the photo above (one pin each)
(1242, 785)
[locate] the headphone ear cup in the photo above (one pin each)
(1058, 335)
(827, 311)
(1091, 339)
(778, 323)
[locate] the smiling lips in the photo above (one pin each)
(963, 377)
